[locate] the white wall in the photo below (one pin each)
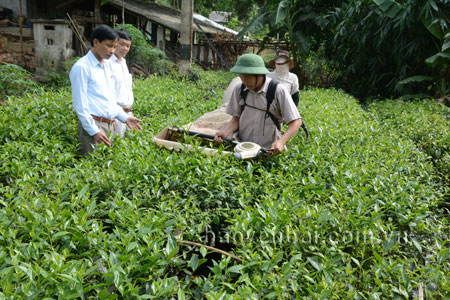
(53, 40)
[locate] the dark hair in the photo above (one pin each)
(103, 32)
(124, 34)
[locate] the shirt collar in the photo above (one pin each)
(265, 86)
(114, 57)
(93, 60)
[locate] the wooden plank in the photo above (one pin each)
(87, 19)
(27, 32)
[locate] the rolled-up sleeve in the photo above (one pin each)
(288, 109)
(234, 105)
(121, 115)
(79, 76)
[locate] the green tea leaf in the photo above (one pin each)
(235, 269)
(203, 251)
(194, 262)
(314, 263)
(417, 244)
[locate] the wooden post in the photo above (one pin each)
(154, 30)
(123, 12)
(187, 13)
(206, 54)
(97, 15)
(20, 27)
(161, 38)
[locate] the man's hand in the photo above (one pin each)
(133, 123)
(101, 138)
(218, 136)
(278, 146)
(231, 127)
(292, 129)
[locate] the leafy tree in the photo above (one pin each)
(376, 46)
(205, 7)
(150, 59)
(439, 25)
(377, 43)
(300, 22)
(171, 3)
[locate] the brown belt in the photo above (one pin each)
(126, 109)
(105, 120)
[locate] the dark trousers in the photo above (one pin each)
(87, 141)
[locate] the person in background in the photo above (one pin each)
(250, 119)
(282, 64)
(93, 95)
(122, 78)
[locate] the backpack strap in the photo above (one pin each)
(243, 93)
(269, 97)
(296, 97)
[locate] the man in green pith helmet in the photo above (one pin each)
(251, 119)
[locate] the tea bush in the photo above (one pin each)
(425, 123)
(350, 214)
(15, 81)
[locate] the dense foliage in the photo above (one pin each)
(425, 123)
(143, 55)
(377, 44)
(354, 213)
(384, 48)
(15, 81)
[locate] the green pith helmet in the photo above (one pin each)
(249, 64)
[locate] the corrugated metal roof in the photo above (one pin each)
(168, 17)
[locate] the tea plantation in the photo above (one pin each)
(358, 211)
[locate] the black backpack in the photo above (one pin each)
(269, 97)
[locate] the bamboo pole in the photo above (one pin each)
(73, 25)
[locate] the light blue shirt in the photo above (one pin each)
(93, 92)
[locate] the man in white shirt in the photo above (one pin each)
(282, 64)
(122, 77)
(93, 95)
